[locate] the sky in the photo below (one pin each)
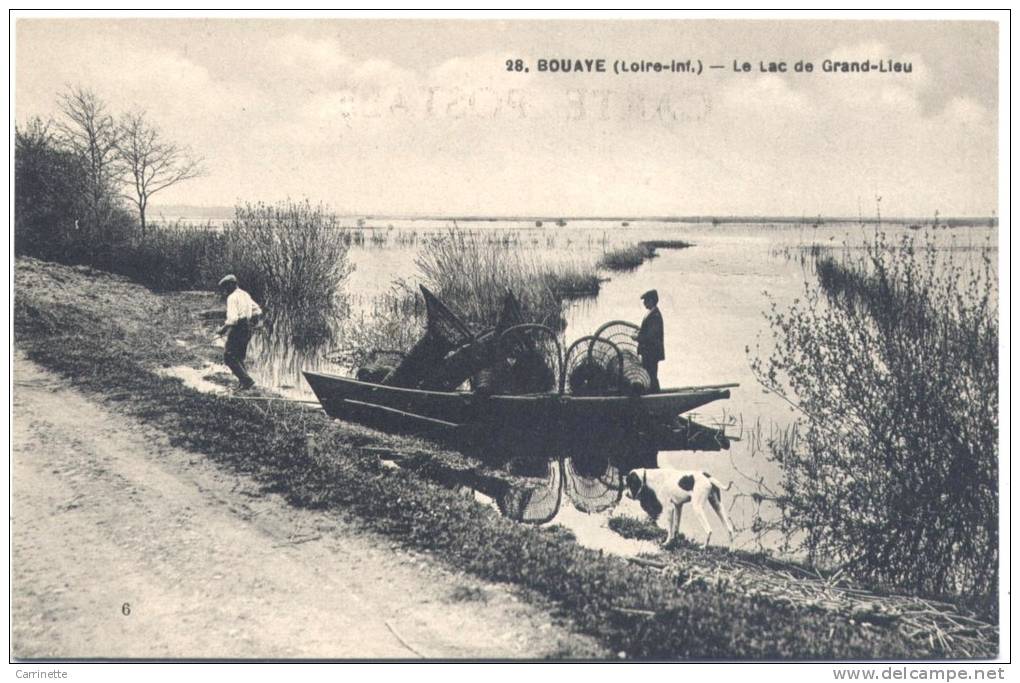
(422, 117)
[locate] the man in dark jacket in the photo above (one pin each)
(649, 338)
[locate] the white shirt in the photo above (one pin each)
(240, 306)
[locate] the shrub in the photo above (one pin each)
(175, 256)
(47, 191)
(892, 362)
(54, 206)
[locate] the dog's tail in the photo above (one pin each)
(718, 484)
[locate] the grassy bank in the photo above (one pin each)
(316, 462)
(291, 257)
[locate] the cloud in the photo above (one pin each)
(767, 93)
(300, 55)
(967, 111)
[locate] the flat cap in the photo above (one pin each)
(650, 294)
(226, 279)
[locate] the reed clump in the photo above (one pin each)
(472, 276)
(626, 258)
(292, 258)
(891, 361)
(667, 244)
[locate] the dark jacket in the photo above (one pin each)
(650, 345)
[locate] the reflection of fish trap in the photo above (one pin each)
(593, 484)
(537, 503)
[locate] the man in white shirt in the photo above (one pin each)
(242, 312)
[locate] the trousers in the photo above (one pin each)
(652, 367)
(236, 352)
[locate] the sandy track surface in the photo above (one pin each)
(126, 547)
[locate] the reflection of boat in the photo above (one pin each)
(346, 398)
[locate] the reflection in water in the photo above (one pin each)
(592, 485)
(579, 494)
(533, 503)
(579, 488)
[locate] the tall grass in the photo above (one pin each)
(291, 257)
(892, 362)
(667, 244)
(473, 275)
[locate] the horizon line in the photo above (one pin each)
(668, 218)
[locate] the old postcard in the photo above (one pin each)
(611, 338)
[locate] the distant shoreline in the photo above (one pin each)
(227, 212)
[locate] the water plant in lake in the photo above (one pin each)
(633, 255)
(891, 362)
(626, 258)
(667, 244)
(292, 257)
(471, 272)
(472, 275)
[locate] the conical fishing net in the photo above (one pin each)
(532, 360)
(606, 363)
(444, 332)
(621, 333)
(593, 367)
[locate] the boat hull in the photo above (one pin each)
(345, 398)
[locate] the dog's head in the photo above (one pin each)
(638, 489)
(636, 480)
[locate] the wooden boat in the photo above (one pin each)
(595, 402)
(346, 398)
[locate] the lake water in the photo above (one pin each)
(712, 298)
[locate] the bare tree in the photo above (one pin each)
(153, 164)
(90, 133)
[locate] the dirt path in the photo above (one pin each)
(108, 519)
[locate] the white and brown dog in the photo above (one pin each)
(657, 489)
